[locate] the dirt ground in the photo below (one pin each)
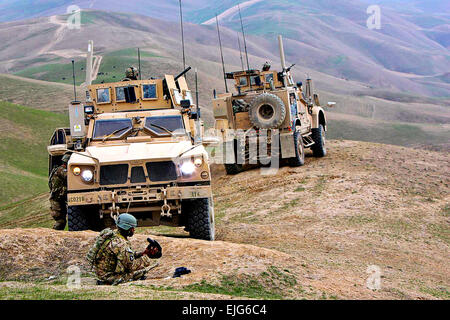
(314, 232)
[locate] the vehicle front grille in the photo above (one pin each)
(138, 175)
(162, 171)
(113, 174)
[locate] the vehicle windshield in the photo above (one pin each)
(173, 124)
(104, 128)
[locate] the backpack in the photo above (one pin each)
(104, 236)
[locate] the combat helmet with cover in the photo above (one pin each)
(132, 73)
(126, 222)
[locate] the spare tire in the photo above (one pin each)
(267, 111)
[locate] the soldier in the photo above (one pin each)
(131, 74)
(113, 259)
(58, 193)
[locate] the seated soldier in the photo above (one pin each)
(114, 261)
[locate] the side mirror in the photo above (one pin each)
(57, 149)
(331, 104)
(185, 104)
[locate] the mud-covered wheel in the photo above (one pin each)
(82, 218)
(299, 159)
(77, 219)
(319, 148)
(267, 111)
(200, 219)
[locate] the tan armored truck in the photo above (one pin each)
(136, 147)
(268, 100)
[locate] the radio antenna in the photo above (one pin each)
(74, 82)
(240, 51)
(182, 36)
(221, 54)
(243, 35)
(139, 61)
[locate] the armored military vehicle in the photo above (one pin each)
(136, 147)
(268, 100)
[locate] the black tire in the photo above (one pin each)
(299, 159)
(267, 111)
(200, 219)
(77, 219)
(319, 148)
(83, 218)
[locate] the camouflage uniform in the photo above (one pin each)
(58, 195)
(117, 263)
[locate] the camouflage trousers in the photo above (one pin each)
(58, 210)
(139, 270)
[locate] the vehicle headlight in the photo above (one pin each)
(188, 168)
(198, 162)
(87, 175)
(76, 171)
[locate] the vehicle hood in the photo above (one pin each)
(138, 152)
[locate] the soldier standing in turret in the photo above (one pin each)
(131, 74)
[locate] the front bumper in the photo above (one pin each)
(142, 195)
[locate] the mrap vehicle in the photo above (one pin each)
(268, 100)
(136, 147)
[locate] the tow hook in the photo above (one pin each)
(165, 209)
(114, 210)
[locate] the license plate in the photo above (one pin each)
(76, 199)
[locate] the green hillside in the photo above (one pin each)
(39, 95)
(23, 156)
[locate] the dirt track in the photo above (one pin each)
(309, 232)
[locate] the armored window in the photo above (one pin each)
(269, 77)
(255, 80)
(243, 82)
(189, 97)
(120, 94)
(149, 91)
(177, 96)
(115, 127)
(103, 96)
(173, 124)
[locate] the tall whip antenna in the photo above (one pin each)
(243, 34)
(139, 61)
(221, 54)
(74, 82)
(240, 51)
(182, 35)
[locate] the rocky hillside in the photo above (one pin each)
(309, 232)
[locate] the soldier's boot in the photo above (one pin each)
(59, 225)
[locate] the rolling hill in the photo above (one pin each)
(304, 233)
(329, 36)
(44, 52)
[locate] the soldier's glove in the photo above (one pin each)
(154, 250)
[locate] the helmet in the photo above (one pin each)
(65, 158)
(126, 221)
(132, 73)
